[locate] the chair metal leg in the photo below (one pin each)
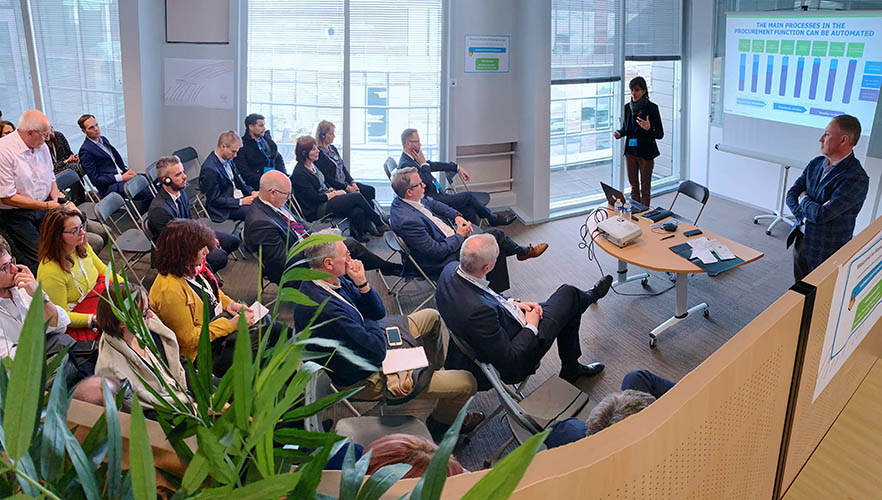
(498, 453)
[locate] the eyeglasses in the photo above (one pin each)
(286, 193)
(76, 230)
(421, 183)
(9, 266)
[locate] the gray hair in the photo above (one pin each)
(33, 119)
(616, 407)
(477, 251)
(401, 180)
(164, 163)
(4, 246)
(850, 126)
(228, 138)
(318, 253)
(406, 135)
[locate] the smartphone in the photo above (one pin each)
(393, 336)
(694, 232)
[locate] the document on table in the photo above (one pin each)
(404, 359)
(704, 249)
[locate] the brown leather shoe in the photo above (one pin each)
(534, 251)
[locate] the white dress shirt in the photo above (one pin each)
(12, 315)
(507, 303)
(443, 226)
(23, 170)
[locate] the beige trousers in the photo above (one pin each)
(451, 388)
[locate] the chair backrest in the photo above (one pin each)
(108, 206)
(187, 154)
(392, 242)
(318, 387)
(135, 185)
(695, 191)
(150, 172)
(66, 178)
(389, 166)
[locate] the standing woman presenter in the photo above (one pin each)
(641, 127)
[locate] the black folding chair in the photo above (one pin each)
(133, 244)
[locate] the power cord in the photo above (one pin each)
(600, 214)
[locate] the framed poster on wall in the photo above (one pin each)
(197, 21)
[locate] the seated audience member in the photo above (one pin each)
(176, 294)
(640, 388)
(17, 288)
(356, 309)
(121, 358)
(104, 165)
(62, 156)
(511, 335)
(172, 202)
(275, 229)
(258, 154)
(71, 273)
(407, 449)
(27, 185)
(6, 128)
(227, 195)
(331, 164)
(317, 199)
(465, 203)
(90, 389)
(419, 221)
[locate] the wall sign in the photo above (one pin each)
(487, 53)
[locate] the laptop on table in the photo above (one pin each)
(613, 194)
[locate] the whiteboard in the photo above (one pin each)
(197, 21)
(203, 83)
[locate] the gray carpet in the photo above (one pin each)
(614, 331)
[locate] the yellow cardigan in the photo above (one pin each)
(61, 285)
(180, 308)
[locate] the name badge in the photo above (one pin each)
(632, 142)
(237, 193)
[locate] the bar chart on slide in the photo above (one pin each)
(803, 69)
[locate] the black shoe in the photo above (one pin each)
(601, 288)
(503, 220)
(437, 429)
(361, 238)
(374, 231)
(580, 370)
(392, 269)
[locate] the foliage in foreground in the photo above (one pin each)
(247, 427)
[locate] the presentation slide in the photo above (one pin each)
(803, 68)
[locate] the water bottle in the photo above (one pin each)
(618, 207)
(626, 210)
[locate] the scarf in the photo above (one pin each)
(639, 105)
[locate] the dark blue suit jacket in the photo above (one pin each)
(428, 245)
(100, 167)
(266, 228)
(218, 188)
(830, 207)
(426, 171)
(163, 210)
(487, 327)
(364, 337)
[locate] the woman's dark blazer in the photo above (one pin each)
(329, 169)
(310, 193)
(646, 146)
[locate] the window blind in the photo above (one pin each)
(15, 72)
(583, 40)
(295, 68)
(396, 80)
(653, 29)
(78, 56)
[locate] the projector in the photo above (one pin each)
(618, 231)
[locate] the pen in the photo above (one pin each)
(667, 237)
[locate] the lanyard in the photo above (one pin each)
(330, 289)
(269, 163)
(204, 286)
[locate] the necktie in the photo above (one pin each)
(182, 212)
(297, 227)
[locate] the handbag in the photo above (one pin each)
(88, 304)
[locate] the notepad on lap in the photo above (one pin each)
(259, 310)
(398, 360)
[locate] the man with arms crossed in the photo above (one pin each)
(827, 197)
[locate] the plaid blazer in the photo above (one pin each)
(831, 206)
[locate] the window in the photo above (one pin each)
(78, 57)
(15, 72)
(296, 78)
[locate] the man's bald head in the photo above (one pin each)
(33, 126)
(478, 254)
(275, 187)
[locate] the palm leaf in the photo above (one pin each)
(382, 480)
(431, 484)
(504, 477)
(141, 457)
